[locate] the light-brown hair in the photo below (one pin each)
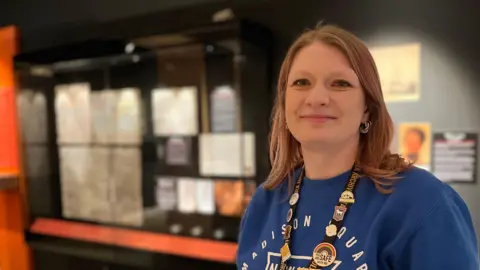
(374, 156)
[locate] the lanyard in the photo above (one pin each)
(324, 254)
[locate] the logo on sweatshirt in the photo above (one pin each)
(267, 255)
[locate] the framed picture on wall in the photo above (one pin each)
(399, 70)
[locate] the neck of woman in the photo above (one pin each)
(323, 162)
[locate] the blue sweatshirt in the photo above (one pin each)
(422, 225)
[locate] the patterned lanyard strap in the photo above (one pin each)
(324, 254)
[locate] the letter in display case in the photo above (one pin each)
(224, 111)
(74, 171)
(127, 186)
(227, 154)
(32, 108)
(175, 111)
(72, 109)
(205, 196)
(97, 186)
(187, 191)
(104, 107)
(129, 125)
(166, 193)
(178, 151)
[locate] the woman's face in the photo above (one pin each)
(324, 101)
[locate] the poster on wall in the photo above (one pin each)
(227, 154)
(224, 111)
(399, 69)
(455, 156)
(229, 195)
(72, 111)
(415, 143)
(175, 111)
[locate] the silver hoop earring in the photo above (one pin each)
(365, 127)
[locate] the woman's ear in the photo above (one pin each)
(366, 115)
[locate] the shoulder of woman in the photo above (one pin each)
(421, 185)
(418, 193)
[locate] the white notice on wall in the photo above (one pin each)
(175, 111)
(455, 156)
(229, 155)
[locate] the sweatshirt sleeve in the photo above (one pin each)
(446, 239)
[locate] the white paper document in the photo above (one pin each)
(186, 195)
(224, 111)
(98, 186)
(166, 193)
(103, 106)
(32, 110)
(72, 110)
(175, 111)
(127, 186)
(128, 119)
(178, 151)
(229, 155)
(205, 196)
(74, 172)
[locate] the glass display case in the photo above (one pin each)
(164, 134)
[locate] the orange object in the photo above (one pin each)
(14, 253)
(162, 243)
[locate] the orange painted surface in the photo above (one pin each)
(14, 253)
(154, 242)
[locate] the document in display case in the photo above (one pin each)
(32, 110)
(175, 111)
(104, 106)
(72, 108)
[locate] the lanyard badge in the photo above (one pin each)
(324, 254)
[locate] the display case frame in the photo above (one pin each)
(250, 75)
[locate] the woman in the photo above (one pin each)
(336, 198)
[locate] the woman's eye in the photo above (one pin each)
(301, 82)
(341, 83)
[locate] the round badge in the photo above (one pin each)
(294, 198)
(324, 254)
(289, 215)
(331, 230)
